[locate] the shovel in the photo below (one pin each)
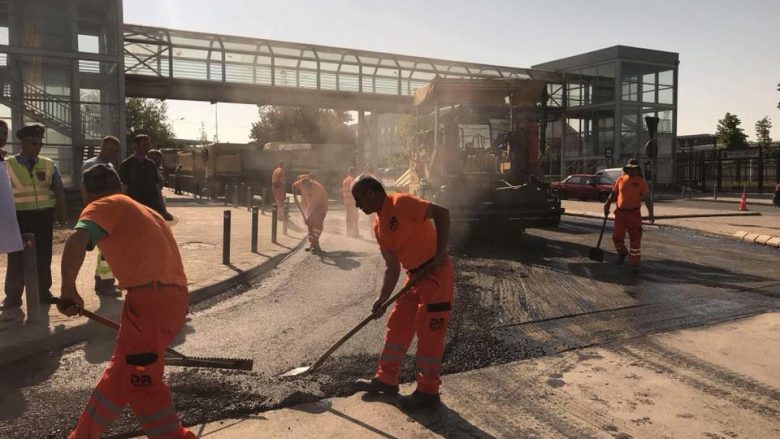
(304, 369)
(178, 358)
(596, 253)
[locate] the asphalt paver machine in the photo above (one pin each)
(480, 157)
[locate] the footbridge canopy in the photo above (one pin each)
(174, 64)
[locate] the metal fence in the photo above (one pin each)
(751, 169)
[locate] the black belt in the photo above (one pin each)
(421, 267)
(151, 285)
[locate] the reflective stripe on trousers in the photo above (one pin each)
(424, 311)
(151, 318)
(630, 220)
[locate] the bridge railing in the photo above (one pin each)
(175, 54)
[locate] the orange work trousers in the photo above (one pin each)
(630, 219)
(151, 318)
(316, 223)
(279, 195)
(424, 311)
(352, 217)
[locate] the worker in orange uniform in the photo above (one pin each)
(278, 185)
(349, 204)
(314, 207)
(629, 190)
(408, 239)
(141, 250)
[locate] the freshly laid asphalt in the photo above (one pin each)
(517, 298)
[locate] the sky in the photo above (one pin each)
(729, 50)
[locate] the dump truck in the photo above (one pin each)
(481, 157)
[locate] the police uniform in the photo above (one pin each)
(34, 181)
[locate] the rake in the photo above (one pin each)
(176, 358)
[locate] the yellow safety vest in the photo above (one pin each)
(32, 190)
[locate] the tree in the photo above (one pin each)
(301, 125)
(729, 134)
(762, 132)
(407, 131)
(149, 116)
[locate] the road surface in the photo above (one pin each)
(519, 298)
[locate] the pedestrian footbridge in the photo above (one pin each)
(173, 64)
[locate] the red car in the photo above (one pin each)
(584, 187)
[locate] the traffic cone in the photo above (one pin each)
(743, 202)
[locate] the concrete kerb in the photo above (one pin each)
(44, 341)
(753, 238)
(216, 289)
(768, 240)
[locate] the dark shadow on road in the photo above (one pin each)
(98, 348)
(442, 420)
(16, 376)
(341, 259)
(533, 249)
(234, 268)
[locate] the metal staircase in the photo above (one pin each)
(49, 110)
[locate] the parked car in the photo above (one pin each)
(584, 187)
(611, 173)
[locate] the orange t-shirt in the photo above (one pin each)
(139, 246)
(277, 178)
(346, 189)
(630, 191)
(402, 229)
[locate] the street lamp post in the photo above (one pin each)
(651, 149)
(173, 125)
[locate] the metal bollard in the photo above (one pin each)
(255, 224)
(226, 238)
(249, 198)
(30, 264)
(273, 224)
(262, 203)
(226, 194)
(285, 217)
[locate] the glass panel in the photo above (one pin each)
(666, 77)
(4, 35)
(606, 132)
(629, 131)
(229, 45)
(89, 43)
(44, 24)
(666, 96)
(604, 87)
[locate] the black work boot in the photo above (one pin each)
(621, 258)
(374, 386)
(418, 400)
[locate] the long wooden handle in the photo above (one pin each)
(601, 235)
(368, 319)
(112, 324)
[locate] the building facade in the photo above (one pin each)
(605, 96)
(61, 67)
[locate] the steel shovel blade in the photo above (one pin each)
(596, 254)
(295, 372)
